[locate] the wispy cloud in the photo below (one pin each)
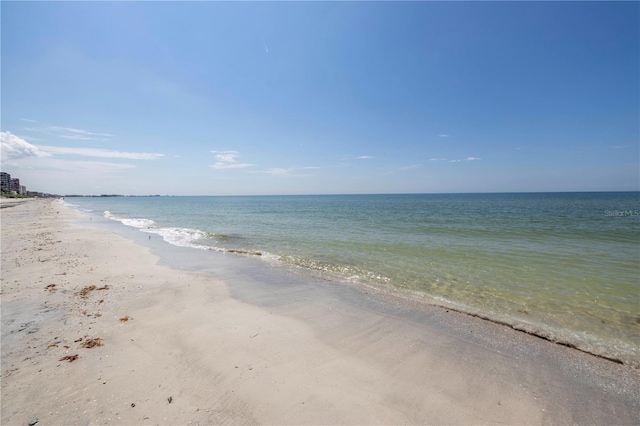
(13, 147)
(226, 156)
(365, 157)
(411, 167)
(277, 171)
(443, 135)
(77, 134)
(457, 160)
(30, 138)
(102, 153)
(465, 159)
(21, 154)
(288, 172)
(220, 165)
(68, 132)
(228, 160)
(93, 167)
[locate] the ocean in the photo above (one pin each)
(562, 266)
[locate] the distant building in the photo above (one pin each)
(14, 185)
(23, 190)
(5, 182)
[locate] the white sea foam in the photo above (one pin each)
(181, 237)
(133, 222)
(138, 223)
(270, 257)
(67, 204)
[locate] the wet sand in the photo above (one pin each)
(157, 345)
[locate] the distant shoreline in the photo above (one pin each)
(350, 194)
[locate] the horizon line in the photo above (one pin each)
(350, 194)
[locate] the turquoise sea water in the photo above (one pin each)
(564, 266)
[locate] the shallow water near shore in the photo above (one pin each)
(563, 266)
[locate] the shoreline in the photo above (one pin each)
(607, 328)
(257, 348)
(407, 296)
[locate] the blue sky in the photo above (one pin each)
(307, 98)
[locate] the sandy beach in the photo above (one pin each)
(96, 331)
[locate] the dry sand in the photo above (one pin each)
(189, 353)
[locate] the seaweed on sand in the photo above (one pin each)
(69, 358)
(86, 290)
(92, 343)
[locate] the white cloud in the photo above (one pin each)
(442, 135)
(227, 160)
(226, 156)
(365, 157)
(68, 132)
(456, 161)
(290, 172)
(412, 167)
(77, 134)
(102, 153)
(30, 138)
(220, 165)
(465, 159)
(277, 171)
(12, 148)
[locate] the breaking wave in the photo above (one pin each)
(183, 237)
